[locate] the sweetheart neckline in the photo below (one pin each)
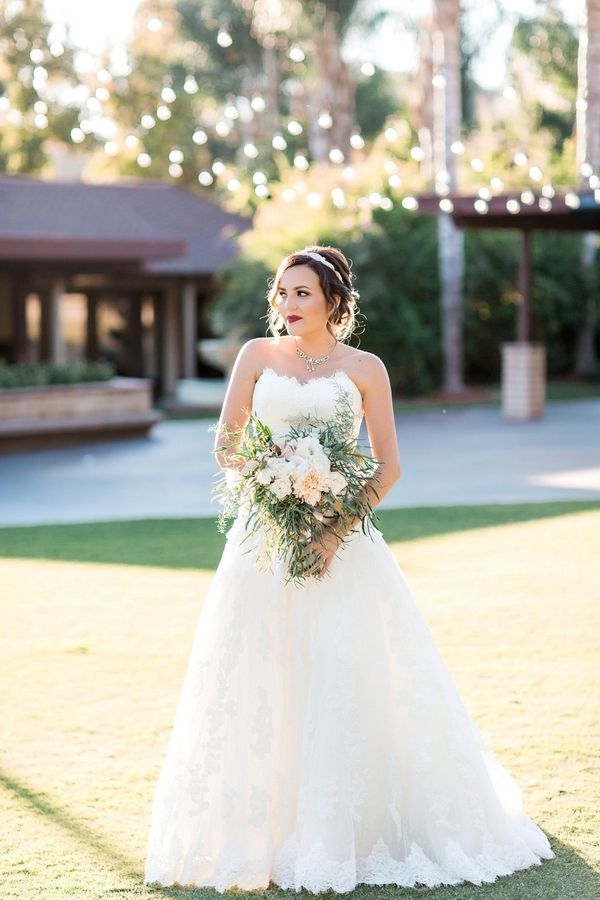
(310, 381)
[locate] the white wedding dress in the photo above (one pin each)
(319, 741)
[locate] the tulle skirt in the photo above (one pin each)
(319, 742)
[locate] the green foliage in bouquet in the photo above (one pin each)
(294, 487)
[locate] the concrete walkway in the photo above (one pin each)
(458, 456)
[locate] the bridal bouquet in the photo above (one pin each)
(295, 486)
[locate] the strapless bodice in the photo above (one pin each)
(281, 401)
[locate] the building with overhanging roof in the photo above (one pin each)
(121, 271)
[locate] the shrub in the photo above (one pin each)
(38, 374)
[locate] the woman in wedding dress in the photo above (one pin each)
(319, 741)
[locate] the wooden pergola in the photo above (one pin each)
(526, 211)
(134, 239)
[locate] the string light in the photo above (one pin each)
(104, 129)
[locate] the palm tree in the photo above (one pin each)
(588, 154)
(446, 126)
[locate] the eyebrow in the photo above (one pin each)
(297, 288)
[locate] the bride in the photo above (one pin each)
(319, 741)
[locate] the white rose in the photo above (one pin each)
(336, 482)
(310, 449)
(264, 476)
(281, 487)
(279, 466)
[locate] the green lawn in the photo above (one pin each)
(96, 627)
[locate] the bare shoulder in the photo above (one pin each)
(368, 370)
(251, 353)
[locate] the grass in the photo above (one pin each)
(97, 623)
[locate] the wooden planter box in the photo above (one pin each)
(34, 417)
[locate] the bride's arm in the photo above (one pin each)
(237, 403)
(381, 426)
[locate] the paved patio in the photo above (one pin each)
(458, 456)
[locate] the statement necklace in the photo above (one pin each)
(312, 361)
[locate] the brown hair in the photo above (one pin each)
(341, 320)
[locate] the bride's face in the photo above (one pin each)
(301, 301)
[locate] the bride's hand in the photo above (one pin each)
(320, 554)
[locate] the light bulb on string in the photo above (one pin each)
(224, 39)
(279, 142)
(190, 85)
(147, 122)
(205, 178)
(572, 200)
(357, 142)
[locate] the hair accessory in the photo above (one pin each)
(322, 259)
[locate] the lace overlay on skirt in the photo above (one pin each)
(319, 741)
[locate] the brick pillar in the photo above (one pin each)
(523, 380)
